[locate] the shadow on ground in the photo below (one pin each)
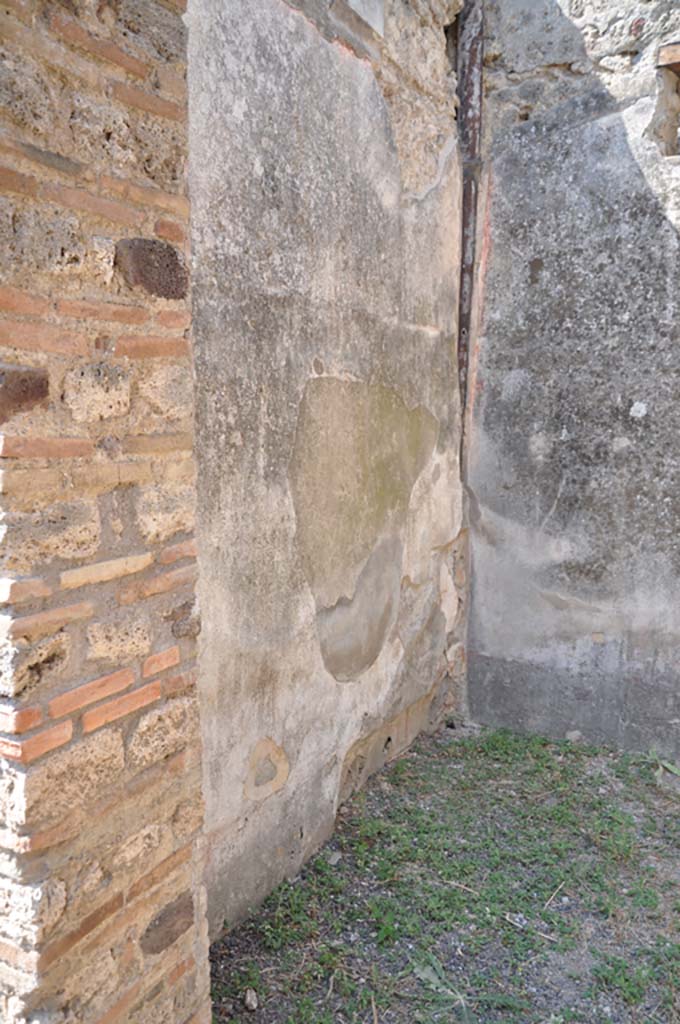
(494, 879)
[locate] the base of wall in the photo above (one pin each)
(368, 755)
(600, 707)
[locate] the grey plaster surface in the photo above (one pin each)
(573, 461)
(324, 298)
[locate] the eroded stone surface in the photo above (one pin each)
(119, 640)
(167, 390)
(164, 511)
(97, 392)
(423, 119)
(40, 664)
(64, 530)
(71, 778)
(48, 241)
(163, 731)
(30, 912)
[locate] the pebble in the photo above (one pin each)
(250, 1000)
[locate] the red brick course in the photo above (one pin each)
(18, 720)
(89, 693)
(31, 589)
(170, 230)
(73, 33)
(35, 746)
(103, 311)
(13, 181)
(13, 300)
(121, 707)
(156, 663)
(160, 584)
(151, 346)
(32, 627)
(147, 101)
(41, 337)
(98, 206)
(45, 447)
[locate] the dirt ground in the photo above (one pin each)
(493, 879)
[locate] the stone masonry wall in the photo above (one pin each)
(102, 914)
(325, 180)
(572, 446)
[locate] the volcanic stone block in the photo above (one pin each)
(157, 266)
(167, 927)
(20, 388)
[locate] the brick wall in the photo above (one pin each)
(102, 918)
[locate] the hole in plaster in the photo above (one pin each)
(265, 772)
(387, 744)
(451, 34)
(535, 268)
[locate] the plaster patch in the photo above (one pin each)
(352, 632)
(358, 452)
(638, 410)
(268, 770)
(539, 446)
(448, 596)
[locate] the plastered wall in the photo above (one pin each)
(572, 443)
(326, 236)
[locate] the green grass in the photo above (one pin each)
(497, 879)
